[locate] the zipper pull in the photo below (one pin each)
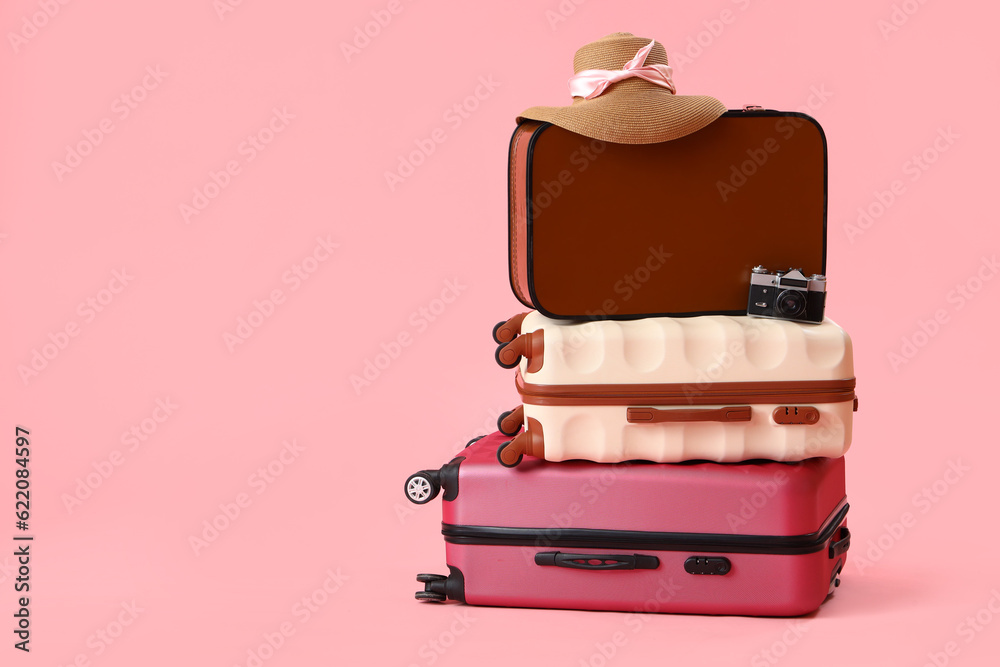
(752, 107)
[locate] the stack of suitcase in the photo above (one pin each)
(670, 453)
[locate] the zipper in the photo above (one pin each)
(714, 393)
(586, 538)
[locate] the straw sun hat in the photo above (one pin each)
(623, 92)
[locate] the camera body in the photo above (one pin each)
(786, 295)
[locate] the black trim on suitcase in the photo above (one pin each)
(842, 543)
(529, 215)
(456, 584)
(529, 242)
(588, 538)
(449, 477)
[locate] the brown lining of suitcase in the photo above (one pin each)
(515, 140)
(803, 391)
(524, 131)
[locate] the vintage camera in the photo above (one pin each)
(786, 295)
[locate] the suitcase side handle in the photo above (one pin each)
(597, 561)
(841, 544)
(739, 413)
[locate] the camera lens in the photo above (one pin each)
(790, 303)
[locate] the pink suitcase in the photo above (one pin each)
(756, 538)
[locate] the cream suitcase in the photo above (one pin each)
(717, 388)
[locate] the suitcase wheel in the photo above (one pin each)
(496, 333)
(429, 596)
(500, 456)
(422, 487)
(474, 440)
(435, 587)
(514, 364)
(511, 429)
(506, 331)
(835, 577)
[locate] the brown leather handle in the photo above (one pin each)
(739, 413)
(508, 331)
(531, 346)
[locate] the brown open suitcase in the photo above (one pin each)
(620, 231)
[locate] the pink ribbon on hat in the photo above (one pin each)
(590, 83)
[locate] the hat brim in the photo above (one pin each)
(644, 116)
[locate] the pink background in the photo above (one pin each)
(336, 503)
